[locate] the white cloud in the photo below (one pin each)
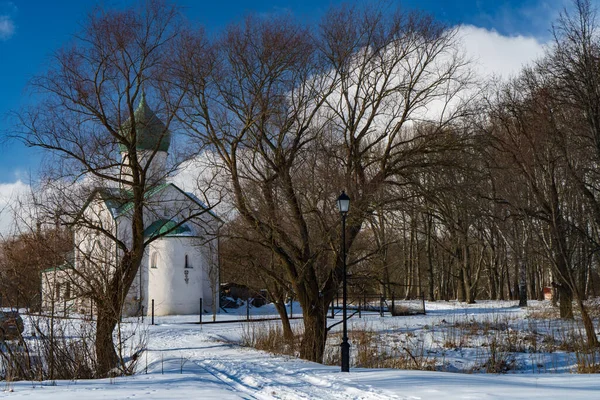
(7, 27)
(10, 195)
(496, 55)
(8, 10)
(205, 177)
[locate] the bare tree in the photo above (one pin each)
(92, 111)
(23, 258)
(528, 140)
(296, 116)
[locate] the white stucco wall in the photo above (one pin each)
(167, 284)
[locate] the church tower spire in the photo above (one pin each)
(152, 141)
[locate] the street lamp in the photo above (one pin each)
(343, 206)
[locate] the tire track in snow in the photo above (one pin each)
(276, 382)
(230, 381)
(256, 375)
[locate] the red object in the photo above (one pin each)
(547, 293)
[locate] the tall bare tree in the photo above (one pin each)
(298, 114)
(92, 107)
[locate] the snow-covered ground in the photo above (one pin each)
(189, 361)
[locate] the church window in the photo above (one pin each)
(187, 262)
(154, 260)
(68, 290)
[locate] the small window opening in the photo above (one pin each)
(187, 262)
(154, 260)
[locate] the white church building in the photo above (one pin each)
(179, 272)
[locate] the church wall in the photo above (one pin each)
(175, 288)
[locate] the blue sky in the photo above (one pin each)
(30, 30)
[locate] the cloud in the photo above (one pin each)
(10, 195)
(7, 27)
(8, 10)
(205, 177)
(494, 54)
(490, 55)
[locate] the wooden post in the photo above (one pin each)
(152, 311)
(359, 312)
(201, 311)
(365, 300)
(393, 305)
(247, 309)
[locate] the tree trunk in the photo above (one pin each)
(106, 356)
(468, 286)
(509, 290)
(460, 286)
(502, 267)
(312, 347)
(588, 325)
(288, 335)
(566, 302)
(522, 276)
(430, 262)
(493, 274)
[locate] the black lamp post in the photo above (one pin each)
(343, 206)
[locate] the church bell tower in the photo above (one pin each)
(152, 141)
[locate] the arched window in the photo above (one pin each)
(154, 260)
(187, 262)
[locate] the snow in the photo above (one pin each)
(189, 361)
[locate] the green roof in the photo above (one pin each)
(151, 132)
(118, 201)
(167, 227)
(128, 205)
(59, 268)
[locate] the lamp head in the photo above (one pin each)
(343, 203)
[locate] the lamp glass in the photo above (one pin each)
(343, 203)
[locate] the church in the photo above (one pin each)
(179, 273)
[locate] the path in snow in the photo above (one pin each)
(252, 374)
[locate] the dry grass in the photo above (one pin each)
(547, 312)
(588, 361)
(61, 355)
(269, 337)
(64, 349)
(501, 343)
(371, 351)
(497, 358)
